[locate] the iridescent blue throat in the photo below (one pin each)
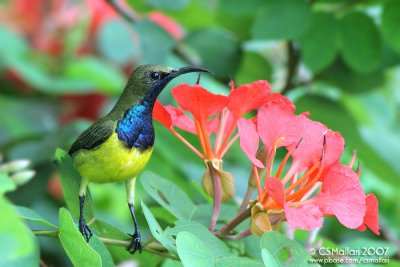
(136, 127)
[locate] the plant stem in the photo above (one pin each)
(241, 235)
(152, 247)
(247, 196)
(240, 217)
(293, 64)
(217, 196)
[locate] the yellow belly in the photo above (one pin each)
(111, 162)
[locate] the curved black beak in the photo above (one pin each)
(175, 73)
(183, 70)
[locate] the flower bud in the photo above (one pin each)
(259, 222)
(227, 184)
(15, 165)
(22, 177)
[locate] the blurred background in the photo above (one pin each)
(63, 63)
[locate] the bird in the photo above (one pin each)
(117, 147)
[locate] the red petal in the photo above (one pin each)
(310, 149)
(161, 115)
(181, 120)
(248, 97)
(249, 140)
(342, 195)
(275, 190)
(282, 101)
(371, 217)
(307, 217)
(274, 122)
(198, 101)
(334, 147)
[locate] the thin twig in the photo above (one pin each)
(240, 217)
(241, 235)
(217, 196)
(293, 64)
(128, 15)
(247, 196)
(150, 247)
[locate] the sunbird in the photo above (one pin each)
(118, 146)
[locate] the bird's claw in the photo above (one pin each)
(85, 230)
(135, 244)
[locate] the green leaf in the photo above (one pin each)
(237, 262)
(169, 5)
(195, 253)
(79, 252)
(240, 7)
(360, 42)
(201, 232)
(268, 258)
(36, 77)
(31, 215)
(155, 43)
(319, 43)
(12, 45)
(104, 77)
(282, 19)
(286, 252)
(118, 42)
(197, 14)
(345, 78)
(390, 24)
(168, 195)
(253, 67)
(70, 182)
(166, 240)
(222, 59)
(18, 246)
(6, 184)
(102, 251)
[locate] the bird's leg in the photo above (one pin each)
(136, 242)
(83, 227)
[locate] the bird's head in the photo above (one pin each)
(151, 79)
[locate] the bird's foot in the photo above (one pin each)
(85, 230)
(135, 244)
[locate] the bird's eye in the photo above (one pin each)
(154, 75)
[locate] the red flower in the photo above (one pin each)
(315, 184)
(83, 106)
(371, 216)
(212, 114)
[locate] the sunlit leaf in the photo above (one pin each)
(166, 240)
(104, 77)
(31, 216)
(79, 252)
(168, 195)
(201, 232)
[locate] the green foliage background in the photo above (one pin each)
(337, 59)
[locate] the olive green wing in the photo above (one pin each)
(93, 136)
